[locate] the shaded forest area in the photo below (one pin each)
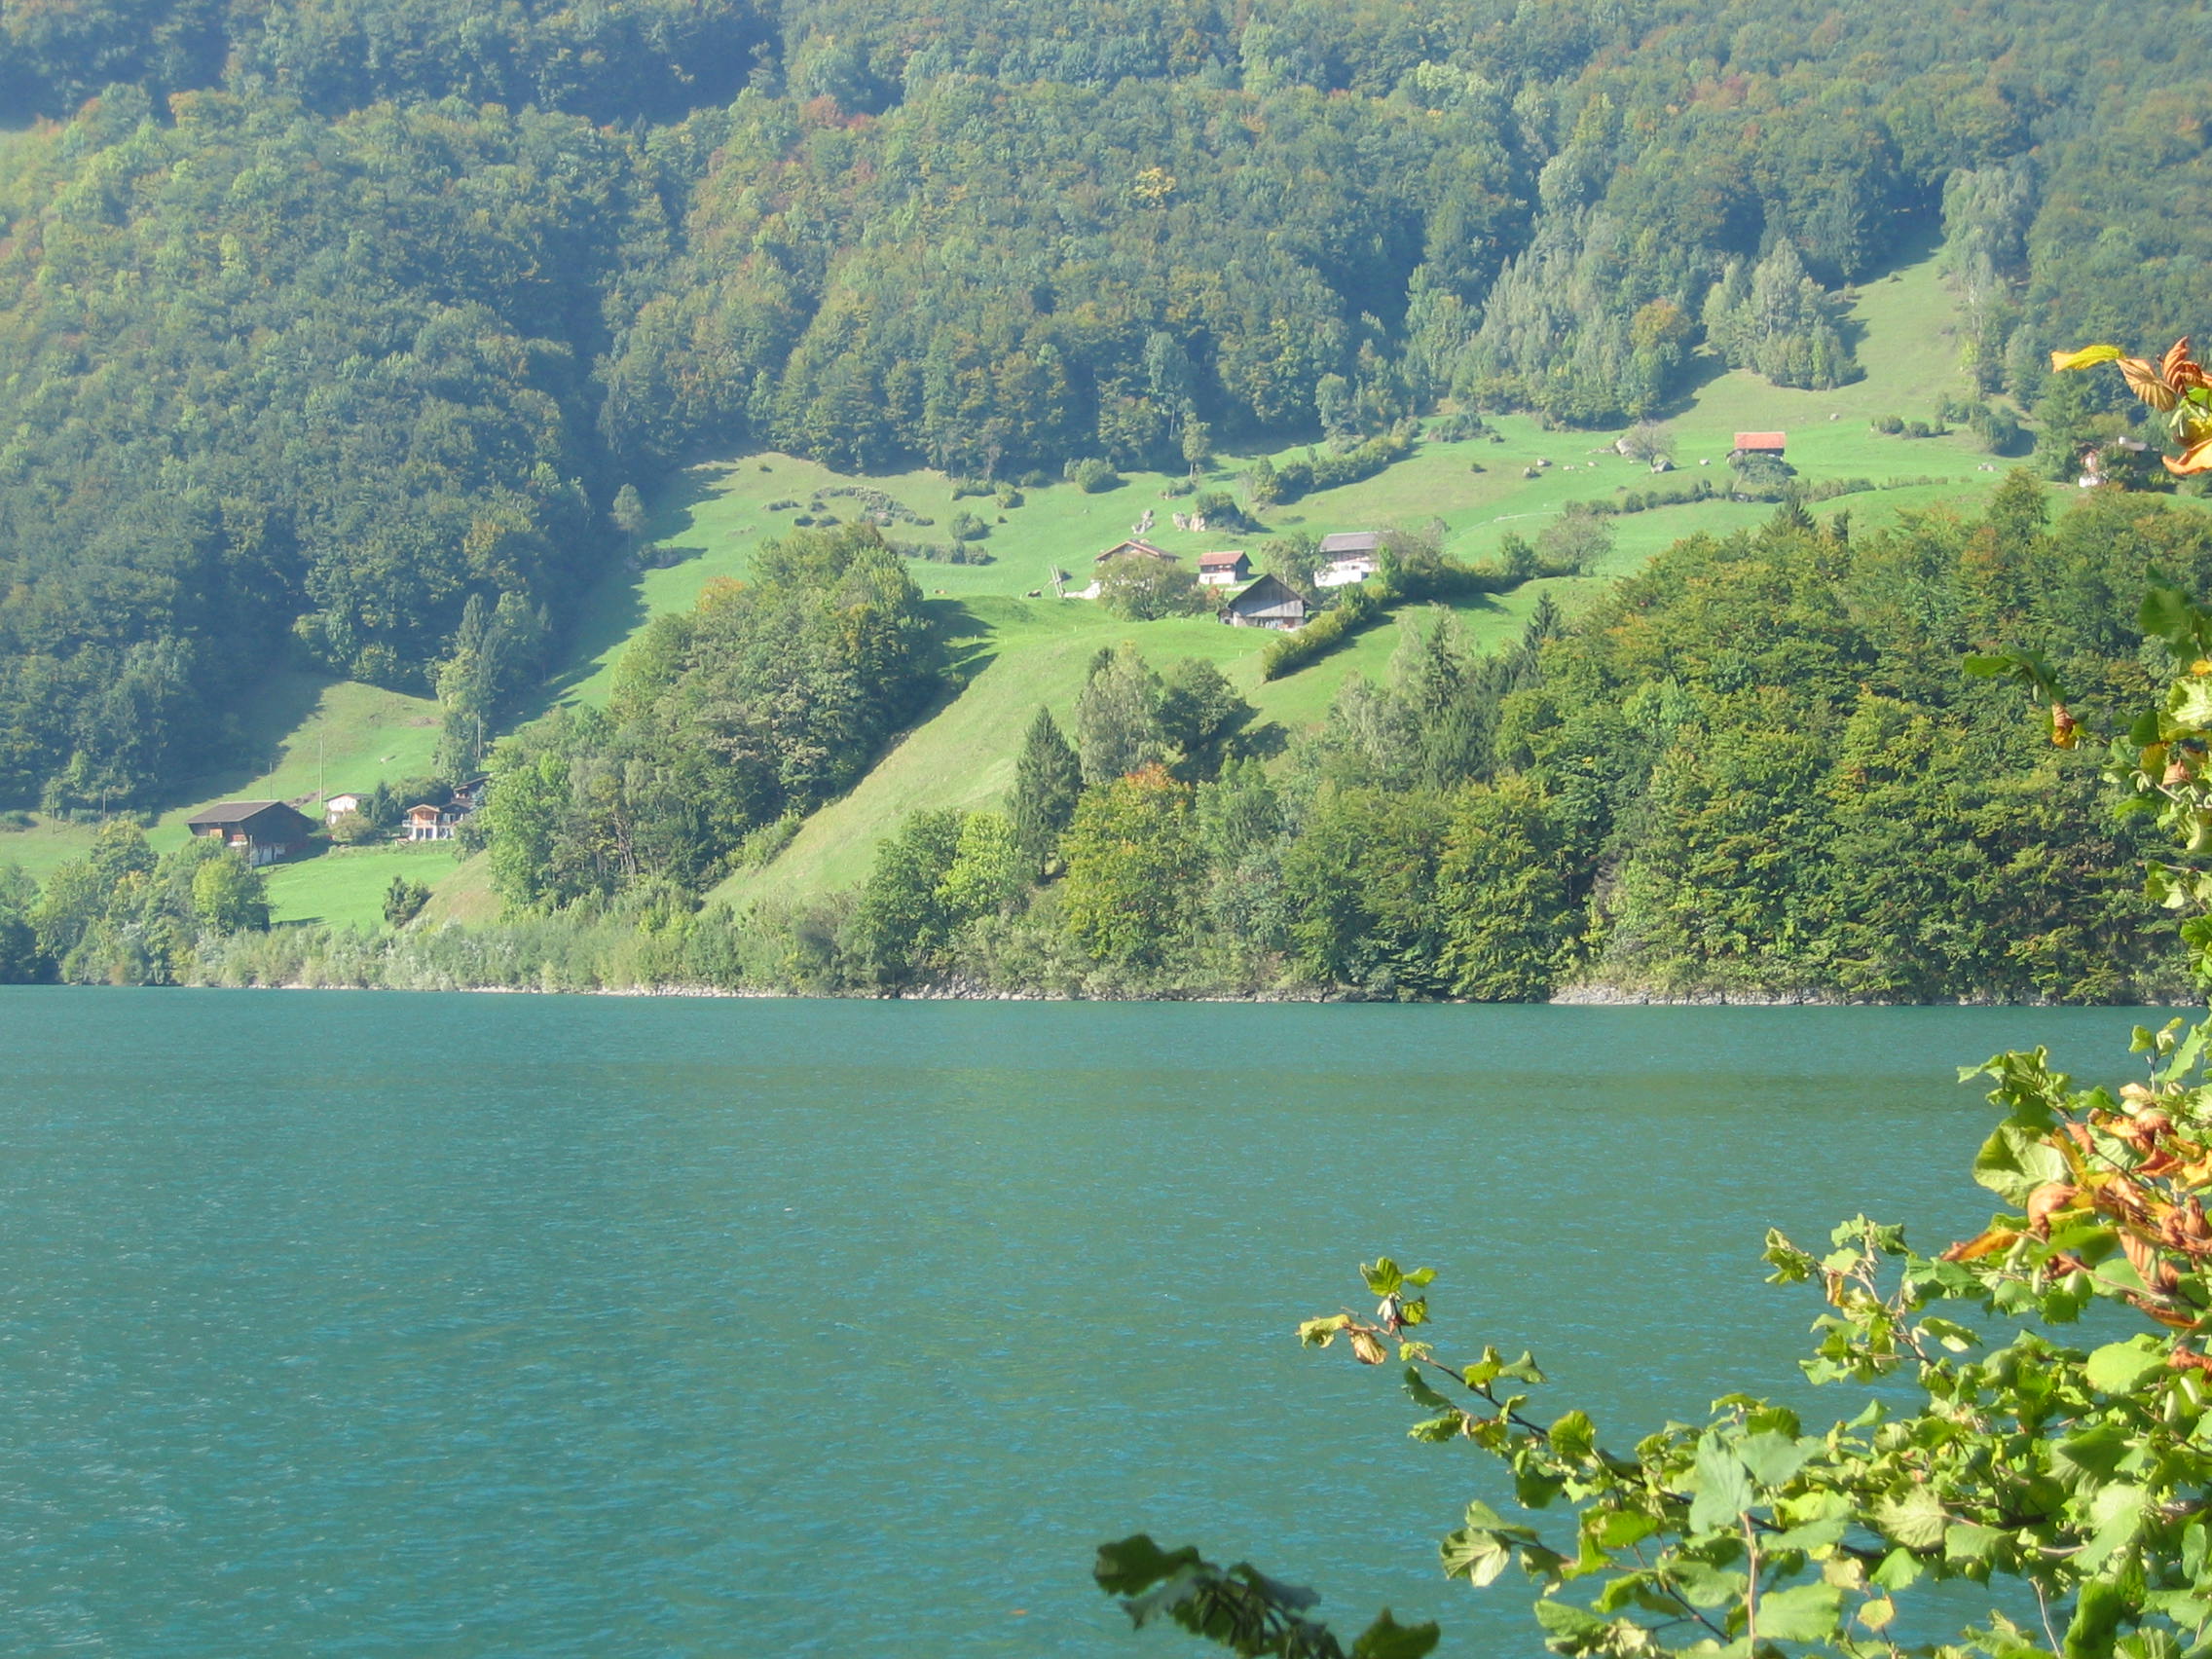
(333, 331)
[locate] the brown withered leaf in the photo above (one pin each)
(2192, 1225)
(1367, 1348)
(1982, 1244)
(2048, 1201)
(2165, 1316)
(2149, 1265)
(2175, 362)
(2197, 458)
(2148, 385)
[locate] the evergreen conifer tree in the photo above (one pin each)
(1047, 780)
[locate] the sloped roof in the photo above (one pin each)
(233, 811)
(1765, 442)
(1352, 542)
(1222, 561)
(1266, 594)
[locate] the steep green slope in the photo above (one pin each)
(314, 736)
(1029, 653)
(307, 736)
(1032, 653)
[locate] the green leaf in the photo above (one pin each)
(1388, 1638)
(1705, 1585)
(1535, 1488)
(2015, 1161)
(2192, 701)
(1813, 1535)
(1721, 1486)
(2117, 1273)
(1804, 1612)
(1915, 1519)
(1898, 1571)
(2096, 1450)
(2097, 1613)
(1617, 1529)
(1573, 1438)
(2117, 1512)
(1967, 1541)
(1522, 1370)
(2168, 616)
(1420, 1277)
(2118, 1368)
(1475, 1555)
(1382, 1278)
(1773, 1457)
(1423, 1394)
(1136, 1563)
(1570, 1623)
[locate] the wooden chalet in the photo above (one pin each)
(1224, 570)
(439, 821)
(1758, 443)
(1348, 556)
(1267, 604)
(428, 821)
(259, 831)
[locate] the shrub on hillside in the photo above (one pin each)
(1094, 476)
(1145, 589)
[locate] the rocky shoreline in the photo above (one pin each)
(1571, 996)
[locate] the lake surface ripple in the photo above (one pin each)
(371, 1324)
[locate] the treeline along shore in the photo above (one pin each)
(1756, 771)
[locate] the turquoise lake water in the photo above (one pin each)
(371, 1324)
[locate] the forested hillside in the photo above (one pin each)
(1757, 770)
(330, 334)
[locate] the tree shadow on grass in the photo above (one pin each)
(964, 646)
(1704, 368)
(614, 606)
(257, 741)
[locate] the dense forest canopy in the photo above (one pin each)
(321, 320)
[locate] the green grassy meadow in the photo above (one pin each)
(344, 887)
(304, 736)
(1019, 648)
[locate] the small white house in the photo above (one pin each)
(339, 805)
(1350, 556)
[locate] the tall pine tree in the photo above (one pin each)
(1047, 780)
